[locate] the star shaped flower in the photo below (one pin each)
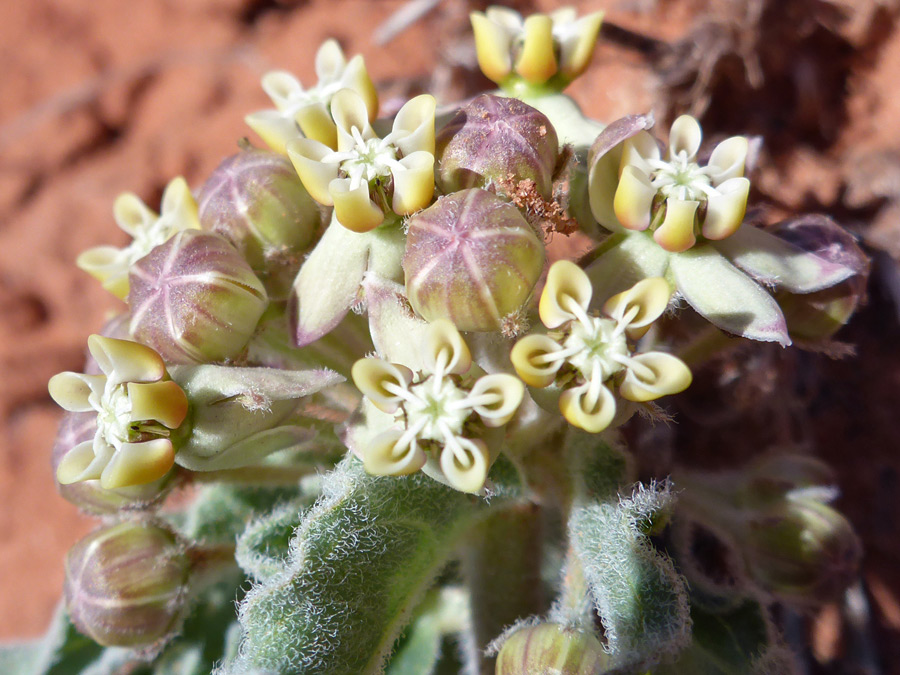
(588, 355)
(438, 414)
(137, 407)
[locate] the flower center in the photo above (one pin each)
(600, 348)
(681, 178)
(367, 160)
(114, 415)
(436, 409)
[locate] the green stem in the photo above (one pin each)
(272, 476)
(574, 606)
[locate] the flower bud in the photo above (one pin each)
(89, 495)
(126, 584)
(551, 648)
(497, 140)
(801, 550)
(257, 202)
(471, 258)
(195, 299)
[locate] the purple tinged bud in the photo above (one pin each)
(126, 584)
(256, 200)
(471, 258)
(551, 648)
(194, 299)
(497, 140)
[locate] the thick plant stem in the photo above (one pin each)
(574, 606)
(502, 565)
(270, 476)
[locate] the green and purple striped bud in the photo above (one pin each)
(497, 140)
(256, 200)
(126, 584)
(471, 258)
(195, 299)
(551, 648)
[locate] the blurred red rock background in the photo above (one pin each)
(106, 96)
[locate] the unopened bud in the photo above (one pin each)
(126, 584)
(497, 140)
(551, 648)
(195, 299)
(471, 258)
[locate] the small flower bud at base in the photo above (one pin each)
(551, 648)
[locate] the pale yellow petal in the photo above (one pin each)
(580, 411)
(371, 375)
(414, 125)
(656, 374)
(566, 284)
(126, 361)
(138, 463)
(493, 45)
(109, 266)
(507, 18)
(330, 61)
(526, 359)
(353, 208)
(676, 233)
(179, 208)
(444, 343)
(131, 214)
(306, 156)
(685, 136)
(508, 392)
(383, 457)
(414, 183)
(577, 49)
(72, 391)
(637, 150)
(283, 88)
(537, 60)
(646, 300)
(727, 159)
(162, 401)
(356, 77)
(634, 199)
(467, 465)
(79, 464)
(274, 128)
(725, 209)
(349, 110)
(316, 124)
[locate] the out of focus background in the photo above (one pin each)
(106, 96)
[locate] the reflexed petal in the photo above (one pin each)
(676, 233)
(383, 457)
(179, 208)
(566, 281)
(508, 19)
(163, 401)
(414, 125)
(316, 124)
(353, 208)
(510, 390)
(634, 199)
(584, 414)
(650, 297)
(356, 77)
(525, 355)
(126, 361)
(349, 110)
(283, 88)
(414, 184)
(138, 463)
(493, 45)
(576, 50)
(131, 214)
(71, 391)
(330, 61)
(537, 61)
(658, 374)
(306, 155)
(685, 136)
(466, 468)
(109, 265)
(443, 337)
(79, 464)
(727, 159)
(725, 210)
(275, 130)
(370, 376)
(637, 149)
(727, 297)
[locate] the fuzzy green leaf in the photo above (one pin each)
(362, 558)
(263, 548)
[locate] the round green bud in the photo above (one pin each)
(551, 648)
(801, 551)
(88, 495)
(256, 200)
(471, 258)
(126, 584)
(194, 299)
(497, 140)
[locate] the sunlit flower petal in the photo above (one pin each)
(654, 374)
(126, 361)
(371, 376)
(413, 128)
(537, 61)
(567, 286)
(634, 199)
(493, 46)
(353, 207)
(507, 392)
(725, 209)
(590, 410)
(162, 401)
(640, 305)
(727, 159)
(465, 464)
(385, 457)
(72, 391)
(138, 463)
(685, 137)
(676, 233)
(445, 345)
(275, 129)
(306, 156)
(528, 359)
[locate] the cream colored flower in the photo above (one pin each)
(435, 411)
(306, 112)
(589, 355)
(543, 46)
(676, 197)
(137, 408)
(111, 265)
(364, 176)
